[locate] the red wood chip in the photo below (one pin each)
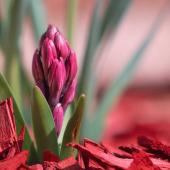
(92, 145)
(142, 162)
(116, 151)
(129, 149)
(10, 144)
(101, 159)
(8, 134)
(154, 146)
(15, 162)
(50, 157)
(91, 156)
(36, 167)
(67, 164)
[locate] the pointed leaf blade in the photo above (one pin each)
(72, 131)
(67, 116)
(113, 15)
(92, 42)
(43, 124)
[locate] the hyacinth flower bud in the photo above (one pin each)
(51, 32)
(69, 94)
(61, 46)
(58, 115)
(48, 54)
(56, 81)
(71, 67)
(37, 71)
(54, 70)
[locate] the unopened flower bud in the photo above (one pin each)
(54, 70)
(51, 31)
(48, 54)
(58, 115)
(61, 46)
(50, 34)
(56, 80)
(37, 71)
(71, 67)
(69, 94)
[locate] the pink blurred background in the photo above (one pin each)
(154, 66)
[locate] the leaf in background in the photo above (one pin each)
(21, 90)
(100, 25)
(26, 89)
(1, 22)
(71, 13)
(15, 80)
(113, 15)
(5, 12)
(37, 14)
(72, 131)
(14, 26)
(117, 87)
(6, 5)
(92, 42)
(43, 124)
(5, 92)
(0, 33)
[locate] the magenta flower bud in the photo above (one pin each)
(61, 46)
(71, 67)
(37, 71)
(58, 115)
(50, 34)
(69, 94)
(54, 69)
(48, 54)
(51, 31)
(56, 80)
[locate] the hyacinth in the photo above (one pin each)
(54, 70)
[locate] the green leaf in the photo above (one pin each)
(10, 40)
(117, 87)
(92, 43)
(71, 14)
(38, 17)
(72, 131)
(26, 90)
(5, 92)
(0, 33)
(6, 6)
(14, 26)
(113, 14)
(15, 80)
(43, 124)
(67, 116)
(100, 26)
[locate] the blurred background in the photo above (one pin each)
(123, 56)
